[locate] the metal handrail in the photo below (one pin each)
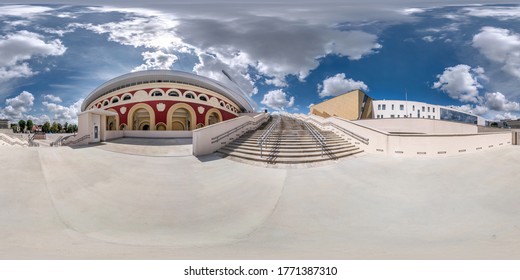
(57, 142)
(77, 140)
(320, 140)
(31, 141)
(348, 132)
(265, 136)
(233, 130)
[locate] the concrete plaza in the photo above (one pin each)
(125, 201)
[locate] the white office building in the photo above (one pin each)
(383, 109)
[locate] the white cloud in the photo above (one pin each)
(273, 46)
(277, 99)
(505, 116)
(61, 113)
(156, 60)
(17, 48)
(310, 105)
(501, 46)
(52, 98)
(17, 106)
(338, 84)
(503, 13)
(411, 11)
(428, 39)
(461, 82)
(468, 108)
(23, 11)
(211, 67)
(141, 28)
(498, 102)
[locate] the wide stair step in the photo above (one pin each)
(289, 143)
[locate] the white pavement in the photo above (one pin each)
(101, 202)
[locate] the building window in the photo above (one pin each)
(115, 100)
(434, 117)
(398, 116)
(105, 103)
(401, 107)
(433, 109)
(222, 104)
(429, 117)
(156, 93)
(428, 109)
(392, 116)
(410, 115)
(189, 95)
(384, 106)
(203, 98)
(392, 106)
(127, 97)
(378, 106)
(413, 108)
(423, 108)
(173, 93)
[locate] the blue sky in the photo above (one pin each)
(288, 54)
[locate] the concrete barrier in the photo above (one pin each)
(402, 144)
(208, 139)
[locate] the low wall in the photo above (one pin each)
(12, 141)
(114, 134)
(208, 139)
(416, 125)
(376, 141)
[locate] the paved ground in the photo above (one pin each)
(100, 203)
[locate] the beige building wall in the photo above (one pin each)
(346, 106)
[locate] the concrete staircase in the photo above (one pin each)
(289, 143)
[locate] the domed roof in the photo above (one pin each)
(244, 102)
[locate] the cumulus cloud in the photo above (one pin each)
(273, 46)
(61, 113)
(17, 48)
(472, 109)
(211, 66)
(277, 99)
(52, 98)
(140, 28)
(505, 116)
(461, 82)
(338, 84)
(156, 60)
(501, 46)
(498, 102)
(17, 106)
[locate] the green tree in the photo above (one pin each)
(59, 127)
(65, 127)
(75, 128)
(46, 127)
(54, 127)
(14, 127)
(21, 124)
(30, 125)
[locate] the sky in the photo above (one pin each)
(287, 55)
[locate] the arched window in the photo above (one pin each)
(105, 103)
(127, 97)
(203, 98)
(222, 104)
(156, 93)
(173, 93)
(115, 100)
(189, 95)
